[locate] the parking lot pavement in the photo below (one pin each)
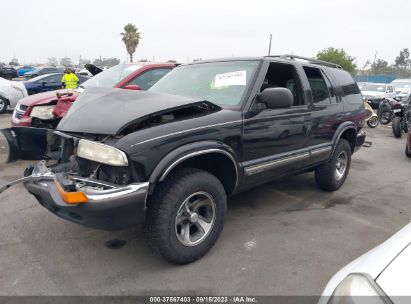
(282, 238)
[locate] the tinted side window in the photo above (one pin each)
(54, 78)
(347, 86)
(319, 89)
(148, 78)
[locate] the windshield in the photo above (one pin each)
(401, 85)
(222, 83)
(109, 78)
(374, 88)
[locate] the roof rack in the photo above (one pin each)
(310, 60)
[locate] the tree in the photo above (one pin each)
(403, 60)
(52, 61)
(338, 56)
(66, 61)
(379, 67)
(131, 38)
(14, 62)
(83, 61)
(107, 62)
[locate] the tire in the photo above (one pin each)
(331, 175)
(3, 105)
(373, 122)
(396, 127)
(407, 150)
(167, 219)
(385, 117)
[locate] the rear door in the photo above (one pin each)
(327, 112)
(53, 82)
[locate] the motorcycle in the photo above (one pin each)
(370, 117)
(401, 119)
(385, 111)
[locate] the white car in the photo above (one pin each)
(10, 93)
(402, 89)
(375, 92)
(382, 275)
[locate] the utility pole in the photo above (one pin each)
(269, 45)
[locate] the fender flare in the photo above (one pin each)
(182, 153)
(347, 125)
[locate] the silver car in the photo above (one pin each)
(382, 275)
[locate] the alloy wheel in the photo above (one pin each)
(195, 218)
(341, 165)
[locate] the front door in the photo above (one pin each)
(273, 139)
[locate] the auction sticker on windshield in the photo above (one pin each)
(230, 79)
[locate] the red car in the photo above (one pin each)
(408, 145)
(45, 110)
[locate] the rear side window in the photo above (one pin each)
(319, 88)
(347, 86)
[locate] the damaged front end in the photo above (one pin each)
(82, 179)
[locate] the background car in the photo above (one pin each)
(402, 89)
(10, 93)
(48, 82)
(127, 76)
(21, 71)
(375, 92)
(361, 84)
(381, 272)
(7, 72)
(43, 71)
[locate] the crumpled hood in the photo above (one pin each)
(42, 98)
(108, 111)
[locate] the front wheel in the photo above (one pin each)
(396, 127)
(331, 175)
(373, 122)
(185, 215)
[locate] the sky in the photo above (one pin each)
(184, 30)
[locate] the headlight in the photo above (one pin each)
(43, 112)
(101, 153)
(358, 288)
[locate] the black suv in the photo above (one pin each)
(169, 157)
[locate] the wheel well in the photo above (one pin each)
(220, 165)
(350, 135)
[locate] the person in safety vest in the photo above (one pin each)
(69, 79)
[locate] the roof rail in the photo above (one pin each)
(310, 60)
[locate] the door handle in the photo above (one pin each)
(340, 116)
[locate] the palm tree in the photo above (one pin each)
(131, 38)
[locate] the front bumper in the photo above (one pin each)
(360, 140)
(109, 209)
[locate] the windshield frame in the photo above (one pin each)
(246, 94)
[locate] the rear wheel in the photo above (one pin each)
(185, 215)
(3, 105)
(331, 175)
(385, 117)
(396, 126)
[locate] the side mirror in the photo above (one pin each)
(277, 98)
(134, 87)
(43, 83)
